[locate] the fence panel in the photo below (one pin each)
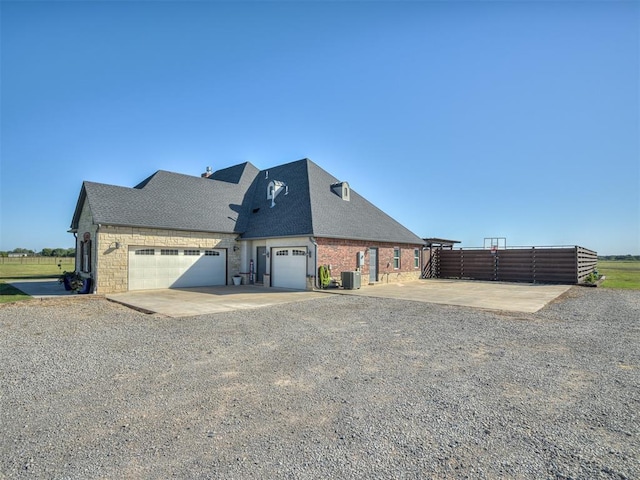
(534, 264)
(515, 265)
(587, 261)
(36, 260)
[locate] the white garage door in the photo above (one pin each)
(289, 267)
(176, 267)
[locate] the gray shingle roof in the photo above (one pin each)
(234, 200)
(170, 200)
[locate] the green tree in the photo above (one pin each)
(23, 250)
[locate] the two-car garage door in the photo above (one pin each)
(176, 267)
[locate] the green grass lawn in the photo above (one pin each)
(620, 274)
(34, 270)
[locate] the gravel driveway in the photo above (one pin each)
(340, 387)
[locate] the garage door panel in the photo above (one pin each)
(172, 268)
(289, 267)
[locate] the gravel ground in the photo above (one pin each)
(340, 387)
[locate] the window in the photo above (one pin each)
(146, 251)
(168, 252)
(282, 252)
(396, 258)
(416, 258)
(85, 255)
(192, 252)
(299, 253)
(212, 253)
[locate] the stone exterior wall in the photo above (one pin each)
(111, 273)
(341, 255)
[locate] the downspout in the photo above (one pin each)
(94, 267)
(315, 256)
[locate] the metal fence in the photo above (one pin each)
(516, 264)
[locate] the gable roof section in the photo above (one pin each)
(312, 208)
(291, 215)
(171, 201)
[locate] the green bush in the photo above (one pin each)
(591, 278)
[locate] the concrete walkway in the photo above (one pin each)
(40, 288)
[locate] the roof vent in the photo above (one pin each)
(207, 173)
(342, 190)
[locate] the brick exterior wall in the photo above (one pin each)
(341, 255)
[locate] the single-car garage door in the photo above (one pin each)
(289, 267)
(176, 267)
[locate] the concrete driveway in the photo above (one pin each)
(184, 302)
(514, 297)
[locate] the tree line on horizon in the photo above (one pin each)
(619, 257)
(45, 252)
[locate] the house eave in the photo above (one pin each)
(364, 239)
(163, 227)
(296, 235)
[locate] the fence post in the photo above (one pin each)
(533, 263)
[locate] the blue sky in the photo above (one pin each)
(461, 120)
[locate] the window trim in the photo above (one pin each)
(416, 258)
(396, 258)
